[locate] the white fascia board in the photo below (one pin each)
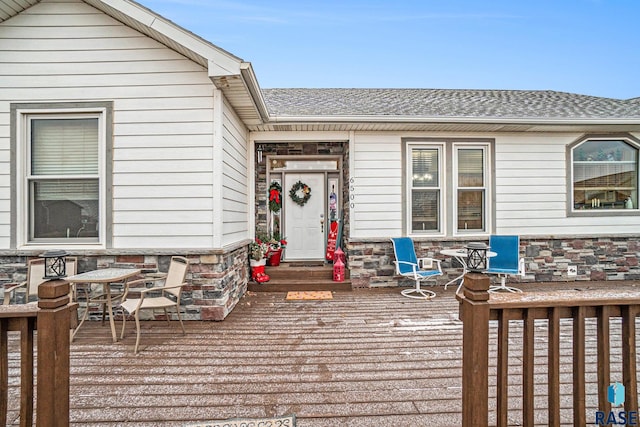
(225, 60)
(197, 45)
(251, 82)
(133, 10)
(223, 69)
(417, 119)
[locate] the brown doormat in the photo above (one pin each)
(309, 295)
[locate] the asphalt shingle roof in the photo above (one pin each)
(447, 103)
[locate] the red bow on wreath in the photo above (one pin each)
(274, 195)
(275, 198)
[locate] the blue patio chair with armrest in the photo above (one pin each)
(419, 269)
(507, 261)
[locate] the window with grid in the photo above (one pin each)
(448, 186)
(426, 189)
(62, 179)
(604, 175)
(471, 188)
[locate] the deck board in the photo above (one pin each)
(366, 357)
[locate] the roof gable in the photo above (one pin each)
(229, 73)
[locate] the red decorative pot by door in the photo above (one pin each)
(274, 257)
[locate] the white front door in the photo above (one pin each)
(304, 225)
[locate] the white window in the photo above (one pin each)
(61, 177)
(604, 175)
(471, 188)
(426, 189)
(448, 186)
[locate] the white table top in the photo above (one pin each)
(462, 253)
(454, 252)
(105, 275)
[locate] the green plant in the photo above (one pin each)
(265, 242)
(258, 249)
(275, 242)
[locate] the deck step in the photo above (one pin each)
(300, 276)
(280, 286)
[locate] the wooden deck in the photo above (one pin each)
(364, 358)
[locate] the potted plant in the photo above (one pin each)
(258, 250)
(276, 245)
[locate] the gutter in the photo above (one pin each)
(479, 120)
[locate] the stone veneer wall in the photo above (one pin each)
(216, 282)
(546, 259)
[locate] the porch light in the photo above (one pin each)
(477, 256)
(260, 149)
(55, 265)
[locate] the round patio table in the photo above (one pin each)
(461, 255)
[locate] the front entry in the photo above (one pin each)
(304, 226)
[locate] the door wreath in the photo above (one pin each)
(306, 193)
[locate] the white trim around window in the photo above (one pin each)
(448, 187)
(426, 188)
(471, 181)
(603, 174)
(60, 173)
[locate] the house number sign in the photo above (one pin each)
(352, 196)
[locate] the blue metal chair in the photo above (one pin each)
(507, 262)
(419, 269)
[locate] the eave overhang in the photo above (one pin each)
(241, 89)
(444, 124)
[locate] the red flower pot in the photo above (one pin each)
(274, 257)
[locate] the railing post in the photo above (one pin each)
(475, 350)
(53, 354)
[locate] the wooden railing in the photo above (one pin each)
(51, 317)
(519, 353)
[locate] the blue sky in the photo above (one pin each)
(590, 47)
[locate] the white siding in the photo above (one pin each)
(376, 205)
(235, 180)
(531, 184)
(530, 187)
(531, 190)
(163, 117)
